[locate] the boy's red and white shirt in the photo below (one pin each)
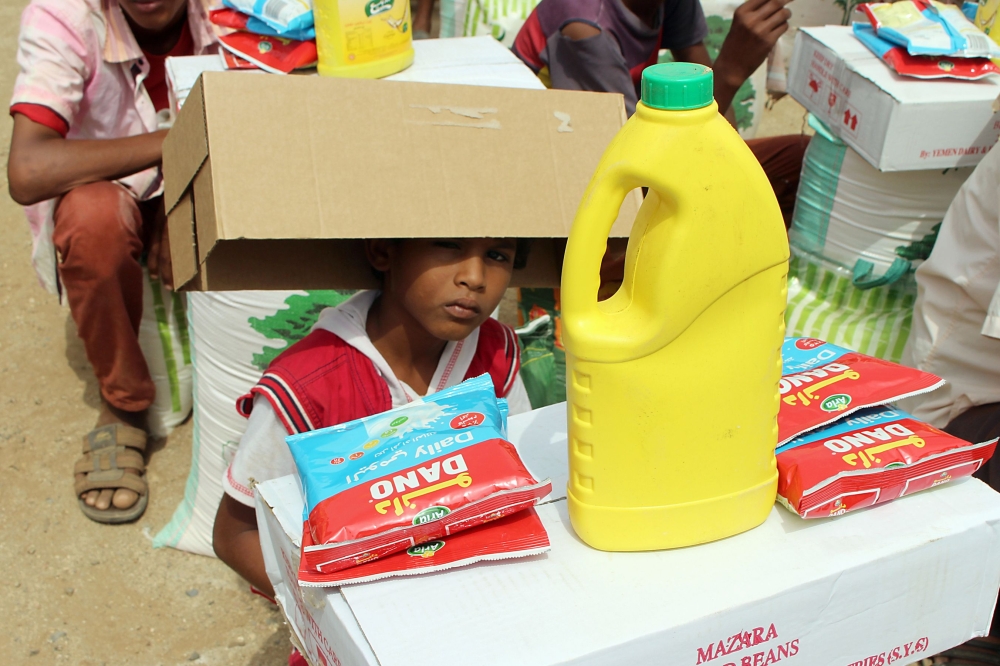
(263, 454)
(80, 60)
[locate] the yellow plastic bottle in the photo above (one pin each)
(672, 383)
(363, 39)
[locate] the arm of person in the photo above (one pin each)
(56, 62)
(236, 541)
(43, 165)
(583, 57)
(756, 27)
(262, 455)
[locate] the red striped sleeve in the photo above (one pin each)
(283, 400)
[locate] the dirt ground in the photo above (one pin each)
(74, 591)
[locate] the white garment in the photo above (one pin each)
(263, 454)
(956, 319)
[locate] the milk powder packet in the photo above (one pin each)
(388, 482)
(926, 27)
(283, 16)
(821, 383)
(873, 456)
(519, 535)
(272, 54)
(923, 67)
(230, 18)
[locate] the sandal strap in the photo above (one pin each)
(108, 452)
(112, 480)
(115, 434)
(117, 458)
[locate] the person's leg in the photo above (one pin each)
(781, 158)
(99, 237)
(422, 19)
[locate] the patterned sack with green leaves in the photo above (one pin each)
(233, 338)
(748, 103)
(857, 236)
(824, 303)
(163, 338)
(877, 225)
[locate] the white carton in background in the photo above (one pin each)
(893, 584)
(894, 122)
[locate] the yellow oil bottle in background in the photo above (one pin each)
(672, 383)
(364, 39)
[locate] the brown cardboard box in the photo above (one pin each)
(272, 181)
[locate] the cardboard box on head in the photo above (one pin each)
(272, 182)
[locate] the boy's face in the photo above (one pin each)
(449, 286)
(153, 15)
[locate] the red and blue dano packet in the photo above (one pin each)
(273, 54)
(388, 482)
(923, 67)
(821, 383)
(519, 535)
(871, 457)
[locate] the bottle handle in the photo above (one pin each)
(587, 242)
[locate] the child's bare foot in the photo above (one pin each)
(117, 498)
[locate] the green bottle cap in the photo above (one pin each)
(677, 86)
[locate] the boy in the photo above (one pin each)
(603, 46)
(84, 156)
(427, 328)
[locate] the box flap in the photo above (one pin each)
(185, 148)
(313, 158)
(183, 247)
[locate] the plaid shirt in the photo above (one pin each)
(80, 59)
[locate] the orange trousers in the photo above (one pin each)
(100, 233)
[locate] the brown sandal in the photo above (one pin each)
(107, 452)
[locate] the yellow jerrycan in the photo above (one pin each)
(672, 383)
(363, 39)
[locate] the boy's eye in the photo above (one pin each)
(497, 255)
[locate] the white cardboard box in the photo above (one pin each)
(896, 123)
(892, 584)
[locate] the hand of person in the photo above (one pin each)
(756, 27)
(158, 257)
(43, 165)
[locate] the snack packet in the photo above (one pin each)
(387, 482)
(821, 383)
(519, 535)
(874, 456)
(926, 27)
(273, 54)
(923, 67)
(230, 18)
(285, 17)
(233, 61)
